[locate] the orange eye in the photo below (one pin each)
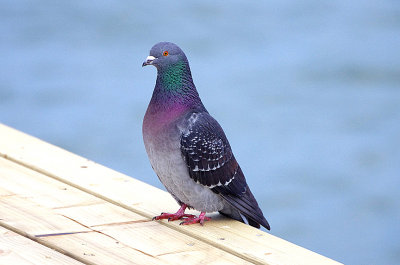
(165, 53)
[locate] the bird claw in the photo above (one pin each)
(172, 216)
(178, 217)
(194, 220)
(187, 218)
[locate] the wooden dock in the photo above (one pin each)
(60, 208)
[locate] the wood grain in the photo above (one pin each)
(17, 249)
(143, 201)
(89, 229)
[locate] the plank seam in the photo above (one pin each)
(113, 238)
(45, 243)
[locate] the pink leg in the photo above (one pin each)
(174, 216)
(193, 220)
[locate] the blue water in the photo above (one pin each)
(308, 93)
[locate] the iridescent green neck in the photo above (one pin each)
(174, 77)
(174, 88)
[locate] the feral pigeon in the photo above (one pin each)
(188, 149)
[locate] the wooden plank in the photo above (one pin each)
(16, 249)
(231, 236)
(90, 229)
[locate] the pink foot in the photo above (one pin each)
(194, 220)
(174, 216)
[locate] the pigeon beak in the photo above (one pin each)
(149, 60)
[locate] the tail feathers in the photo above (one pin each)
(248, 209)
(248, 221)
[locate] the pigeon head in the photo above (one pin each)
(174, 84)
(164, 55)
(173, 71)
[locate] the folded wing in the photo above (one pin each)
(211, 163)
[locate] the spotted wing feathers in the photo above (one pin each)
(211, 163)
